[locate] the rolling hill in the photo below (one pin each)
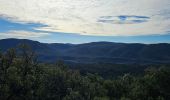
(96, 52)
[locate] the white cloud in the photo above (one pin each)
(22, 34)
(81, 16)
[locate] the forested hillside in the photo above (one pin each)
(23, 78)
(96, 52)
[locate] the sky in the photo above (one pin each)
(82, 21)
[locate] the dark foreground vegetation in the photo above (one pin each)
(23, 78)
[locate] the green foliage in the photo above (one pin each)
(20, 77)
(23, 78)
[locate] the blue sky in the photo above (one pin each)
(72, 38)
(82, 21)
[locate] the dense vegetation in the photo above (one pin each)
(111, 71)
(23, 78)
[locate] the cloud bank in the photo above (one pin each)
(91, 17)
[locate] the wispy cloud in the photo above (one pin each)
(22, 34)
(120, 17)
(124, 19)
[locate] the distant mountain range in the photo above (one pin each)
(96, 52)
